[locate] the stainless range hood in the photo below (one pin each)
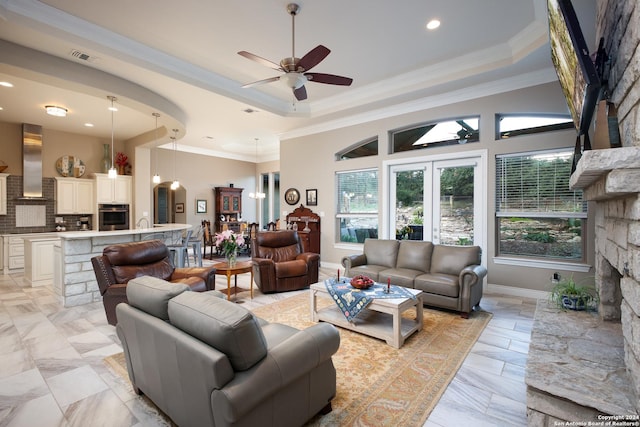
(31, 162)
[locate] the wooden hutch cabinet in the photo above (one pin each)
(308, 227)
(228, 205)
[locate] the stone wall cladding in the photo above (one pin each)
(618, 21)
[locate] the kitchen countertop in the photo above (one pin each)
(75, 235)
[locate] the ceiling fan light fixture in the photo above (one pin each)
(294, 80)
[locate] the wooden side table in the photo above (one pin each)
(240, 267)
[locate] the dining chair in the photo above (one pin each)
(207, 238)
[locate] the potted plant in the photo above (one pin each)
(567, 294)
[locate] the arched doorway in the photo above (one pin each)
(169, 206)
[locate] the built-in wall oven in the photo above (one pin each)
(113, 217)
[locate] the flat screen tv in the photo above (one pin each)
(574, 66)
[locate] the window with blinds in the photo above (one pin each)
(538, 215)
(357, 210)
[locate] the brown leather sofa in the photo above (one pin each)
(449, 276)
(205, 361)
(279, 263)
(122, 262)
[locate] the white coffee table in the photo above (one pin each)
(381, 319)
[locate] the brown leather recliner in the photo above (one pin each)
(122, 262)
(279, 263)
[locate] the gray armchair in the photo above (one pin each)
(205, 361)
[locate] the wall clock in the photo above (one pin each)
(292, 196)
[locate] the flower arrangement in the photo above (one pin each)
(121, 159)
(122, 163)
(228, 243)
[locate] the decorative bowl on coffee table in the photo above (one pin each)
(361, 282)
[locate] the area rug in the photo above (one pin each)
(378, 385)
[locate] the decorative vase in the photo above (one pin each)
(232, 258)
(121, 170)
(106, 159)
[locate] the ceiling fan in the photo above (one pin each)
(296, 69)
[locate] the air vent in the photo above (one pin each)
(82, 56)
(250, 110)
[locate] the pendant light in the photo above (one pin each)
(175, 184)
(113, 173)
(156, 177)
(258, 194)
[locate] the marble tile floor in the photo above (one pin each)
(52, 371)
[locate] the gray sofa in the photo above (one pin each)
(450, 276)
(205, 361)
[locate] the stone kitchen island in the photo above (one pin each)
(74, 279)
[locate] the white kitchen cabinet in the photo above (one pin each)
(3, 193)
(74, 196)
(116, 191)
(15, 252)
(39, 259)
(57, 267)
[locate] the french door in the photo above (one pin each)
(438, 201)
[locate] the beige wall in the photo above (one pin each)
(54, 145)
(197, 174)
(308, 162)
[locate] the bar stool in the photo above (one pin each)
(180, 251)
(196, 243)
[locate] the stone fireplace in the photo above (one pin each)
(610, 178)
(583, 365)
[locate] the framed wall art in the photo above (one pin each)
(201, 206)
(312, 197)
(179, 207)
(292, 196)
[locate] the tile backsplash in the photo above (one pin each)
(39, 221)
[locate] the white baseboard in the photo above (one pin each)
(516, 292)
(332, 266)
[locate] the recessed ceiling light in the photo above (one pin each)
(1, 108)
(89, 125)
(433, 24)
(54, 110)
(6, 84)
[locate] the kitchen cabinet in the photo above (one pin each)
(13, 252)
(228, 206)
(39, 259)
(74, 196)
(113, 191)
(3, 193)
(57, 267)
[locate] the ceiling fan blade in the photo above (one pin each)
(330, 79)
(300, 93)
(261, 82)
(313, 58)
(260, 60)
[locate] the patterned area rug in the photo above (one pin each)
(378, 385)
